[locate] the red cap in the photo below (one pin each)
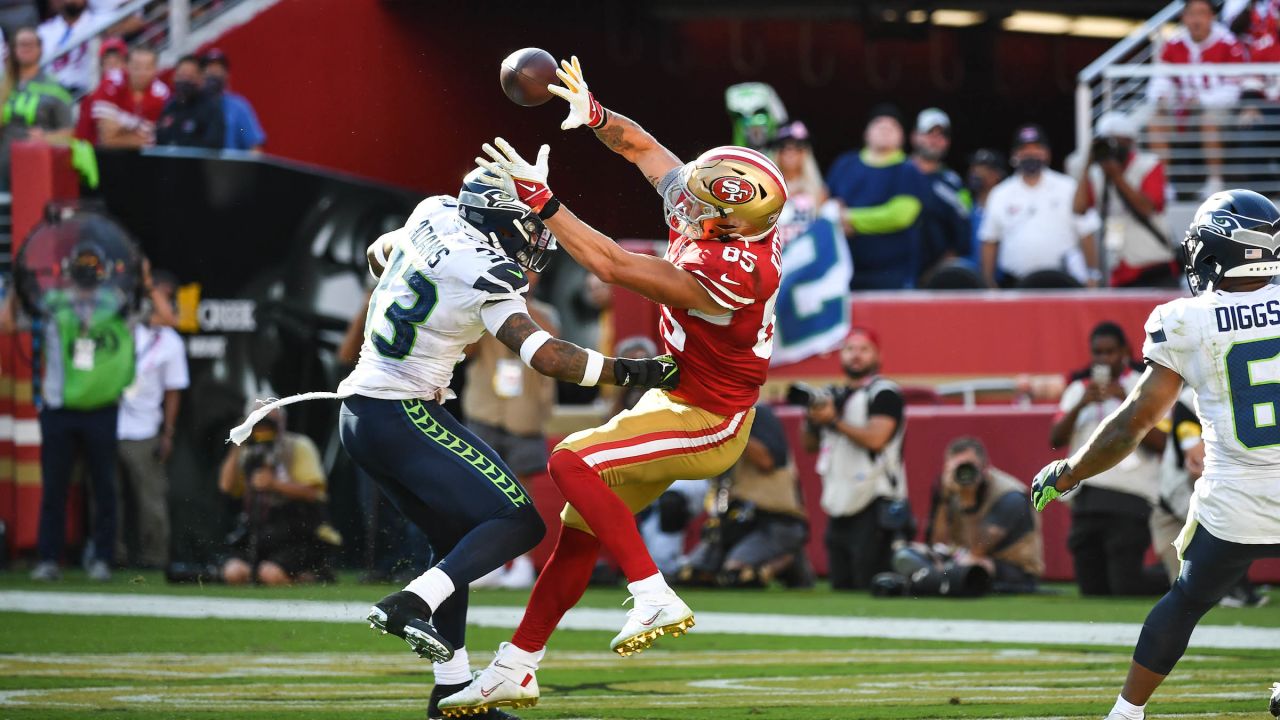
(113, 44)
(867, 333)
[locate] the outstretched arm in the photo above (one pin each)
(652, 277)
(1117, 436)
(620, 134)
(568, 362)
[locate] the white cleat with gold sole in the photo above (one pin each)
(653, 616)
(503, 684)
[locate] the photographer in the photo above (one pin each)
(757, 528)
(1128, 190)
(857, 431)
(282, 537)
(1109, 514)
(982, 533)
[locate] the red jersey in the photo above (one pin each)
(116, 101)
(724, 359)
(1219, 47)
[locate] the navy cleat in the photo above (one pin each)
(440, 692)
(408, 616)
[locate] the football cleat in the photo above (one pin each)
(440, 692)
(408, 617)
(1275, 700)
(653, 616)
(504, 683)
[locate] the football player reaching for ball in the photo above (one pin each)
(1223, 343)
(716, 286)
(454, 271)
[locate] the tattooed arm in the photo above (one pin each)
(623, 136)
(568, 362)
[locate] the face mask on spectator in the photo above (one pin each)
(185, 89)
(1030, 165)
(214, 85)
(975, 183)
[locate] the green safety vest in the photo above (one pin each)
(113, 354)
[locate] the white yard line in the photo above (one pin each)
(1047, 632)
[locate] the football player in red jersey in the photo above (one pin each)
(716, 285)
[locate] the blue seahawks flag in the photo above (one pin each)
(813, 298)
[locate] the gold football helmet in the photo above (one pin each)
(729, 191)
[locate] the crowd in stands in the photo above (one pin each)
(117, 99)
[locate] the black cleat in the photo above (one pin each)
(1275, 700)
(408, 616)
(439, 692)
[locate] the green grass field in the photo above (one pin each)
(74, 666)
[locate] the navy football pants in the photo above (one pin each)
(446, 481)
(1211, 566)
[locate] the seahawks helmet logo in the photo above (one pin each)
(1241, 229)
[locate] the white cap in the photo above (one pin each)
(1116, 124)
(930, 118)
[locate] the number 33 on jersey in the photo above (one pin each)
(724, 359)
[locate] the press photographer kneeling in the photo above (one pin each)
(982, 534)
(282, 536)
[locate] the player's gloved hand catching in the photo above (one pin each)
(1044, 489)
(583, 107)
(660, 372)
(512, 174)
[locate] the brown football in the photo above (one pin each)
(526, 74)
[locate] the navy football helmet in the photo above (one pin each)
(1235, 233)
(508, 223)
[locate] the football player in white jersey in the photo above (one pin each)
(1224, 343)
(453, 272)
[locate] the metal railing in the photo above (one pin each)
(167, 25)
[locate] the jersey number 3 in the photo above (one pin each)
(1255, 392)
(406, 319)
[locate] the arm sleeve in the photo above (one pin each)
(1153, 186)
(1163, 331)
(176, 376)
(768, 430)
(253, 133)
(989, 230)
(498, 308)
(899, 213)
(304, 465)
(887, 402)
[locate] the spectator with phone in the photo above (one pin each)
(1109, 533)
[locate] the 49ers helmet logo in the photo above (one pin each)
(732, 190)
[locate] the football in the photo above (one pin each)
(526, 74)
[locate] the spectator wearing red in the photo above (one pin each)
(1127, 188)
(111, 63)
(1258, 22)
(125, 114)
(1199, 39)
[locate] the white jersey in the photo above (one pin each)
(444, 284)
(1226, 346)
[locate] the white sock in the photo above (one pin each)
(653, 585)
(433, 586)
(509, 651)
(1124, 708)
(455, 672)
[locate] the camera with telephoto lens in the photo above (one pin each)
(967, 474)
(1107, 148)
(807, 395)
(260, 448)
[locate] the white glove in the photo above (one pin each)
(583, 107)
(512, 174)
